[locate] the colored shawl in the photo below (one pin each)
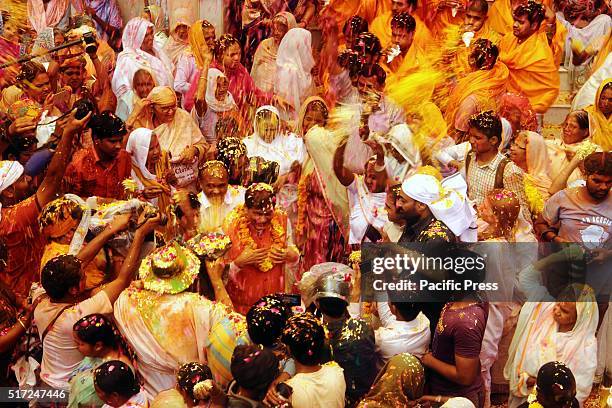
(485, 85)
(600, 126)
(537, 341)
(400, 381)
(533, 70)
(132, 58)
(264, 60)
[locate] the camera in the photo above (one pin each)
(83, 107)
(91, 46)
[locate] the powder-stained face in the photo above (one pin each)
(143, 84)
(572, 132)
(214, 182)
(522, 28)
(222, 87)
(267, 125)
(565, 313)
(314, 116)
(605, 101)
(154, 153)
(518, 149)
(401, 6)
(182, 32)
(474, 20)
(402, 37)
(147, 42)
(39, 88)
(231, 57)
(485, 211)
(165, 113)
(480, 142)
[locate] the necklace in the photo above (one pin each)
(278, 237)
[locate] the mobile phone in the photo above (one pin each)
(291, 299)
(61, 98)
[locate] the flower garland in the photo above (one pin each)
(302, 195)
(278, 234)
(534, 198)
(532, 399)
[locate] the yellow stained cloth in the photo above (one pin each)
(174, 136)
(533, 71)
(197, 43)
(381, 27)
(601, 127)
(499, 19)
(485, 85)
(602, 55)
(462, 65)
(412, 62)
(94, 270)
(372, 9)
(441, 21)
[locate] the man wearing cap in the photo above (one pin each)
(19, 228)
(351, 340)
(98, 170)
(165, 324)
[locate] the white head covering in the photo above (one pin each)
(138, 145)
(447, 200)
(211, 87)
(294, 62)
(132, 58)
(400, 137)
(459, 402)
(271, 109)
(10, 171)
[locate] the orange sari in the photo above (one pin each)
(533, 71)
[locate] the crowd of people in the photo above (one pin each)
(185, 196)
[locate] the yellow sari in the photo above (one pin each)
(600, 126)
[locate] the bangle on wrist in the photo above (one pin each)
(22, 324)
(439, 398)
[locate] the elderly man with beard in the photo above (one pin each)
(261, 247)
(217, 198)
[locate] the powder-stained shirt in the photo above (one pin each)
(88, 176)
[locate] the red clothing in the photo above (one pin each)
(88, 176)
(248, 284)
(20, 232)
(241, 86)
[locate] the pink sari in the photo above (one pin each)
(241, 86)
(41, 18)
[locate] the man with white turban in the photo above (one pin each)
(436, 211)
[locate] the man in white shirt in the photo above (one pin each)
(63, 302)
(366, 194)
(405, 329)
(217, 198)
